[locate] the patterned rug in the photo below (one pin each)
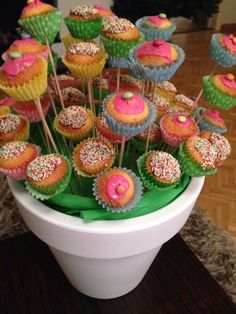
(211, 245)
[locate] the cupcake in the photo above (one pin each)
(74, 122)
(197, 157)
(104, 12)
(13, 128)
(118, 190)
(127, 83)
(15, 157)
(220, 90)
(210, 120)
(64, 81)
(24, 77)
(92, 156)
(176, 128)
(166, 89)
(72, 97)
(157, 26)
(119, 36)
(84, 22)
(140, 140)
(223, 49)
(161, 104)
(159, 170)
(105, 132)
(47, 176)
(184, 102)
(128, 114)
(4, 110)
(221, 144)
(41, 21)
(97, 83)
(29, 109)
(155, 61)
(85, 60)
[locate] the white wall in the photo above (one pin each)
(227, 14)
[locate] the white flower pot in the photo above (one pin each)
(105, 259)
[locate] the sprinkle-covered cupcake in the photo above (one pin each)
(92, 156)
(157, 26)
(166, 89)
(159, 170)
(84, 22)
(85, 60)
(64, 81)
(162, 105)
(13, 128)
(220, 90)
(155, 61)
(118, 190)
(210, 120)
(128, 114)
(47, 176)
(197, 157)
(223, 49)
(127, 83)
(184, 102)
(140, 140)
(104, 131)
(221, 144)
(72, 97)
(15, 157)
(119, 36)
(176, 128)
(74, 122)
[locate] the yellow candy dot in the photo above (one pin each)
(181, 118)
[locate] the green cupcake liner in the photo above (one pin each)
(215, 96)
(87, 29)
(191, 167)
(55, 60)
(148, 180)
(119, 48)
(42, 27)
(54, 189)
(141, 145)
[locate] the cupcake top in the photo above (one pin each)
(9, 123)
(157, 21)
(18, 64)
(103, 130)
(222, 145)
(213, 116)
(36, 7)
(164, 166)
(84, 12)
(103, 11)
(161, 103)
(226, 83)
(167, 87)
(64, 81)
(73, 117)
(156, 53)
(154, 136)
(72, 96)
(184, 100)
(129, 79)
(84, 53)
(179, 124)
(12, 150)
(229, 41)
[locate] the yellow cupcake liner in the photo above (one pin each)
(86, 71)
(81, 133)
(29, 90)
(68, 40)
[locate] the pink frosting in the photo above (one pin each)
(157, 48)
(100, 8)
(116, 187)
(133, 105)
(215, 114)
(7, 101)
(15, 66)
(22, 42)
(227, 82)
(31, 6)
(183, 124)
(228, 41)
(157, 20)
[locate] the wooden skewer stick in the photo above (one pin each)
(52, 101)
(118, 75)
(150, 126)
(55, 76)
(46, 128)
(43, 137)
(91, 102)
(122, 151)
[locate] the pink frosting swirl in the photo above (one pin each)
(116, 187)
(15, 66)
(157, 48)
(133, 105)
(215, 114)
(157, 20)
(228, 82)
(182, 120)
(230, 43)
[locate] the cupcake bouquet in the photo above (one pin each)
(121, 137)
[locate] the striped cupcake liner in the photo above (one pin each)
(87, 29)
(114, 61)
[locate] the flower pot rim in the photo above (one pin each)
(68, 222)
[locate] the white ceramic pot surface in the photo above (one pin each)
(105, 259)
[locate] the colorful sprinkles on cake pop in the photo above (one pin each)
(84, 49)
(93, 152)
(84, 11)
(116, 25)
(165, 166)
(207, 151)
(73, 116)
(12, 150)
(221, 144)
(8, 123)
(42, 167)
